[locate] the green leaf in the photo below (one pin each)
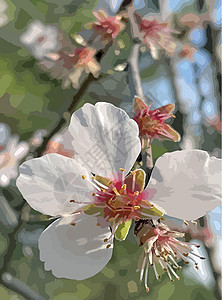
(122, 230)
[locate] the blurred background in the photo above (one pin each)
(39, 92)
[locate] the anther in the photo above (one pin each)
(98, 224)
(172, 116)
(122, 170)
(186, 223)
(133, 173)
(136, 193)
(93, 194)
(72, 201)
(103, 190)
(194, 222)
(83, 176)
(105, 240)
(108, 246)
(147, 289)
(123, 187)
(73, 224)
(115, 191)
(136, 207)
(93, 177)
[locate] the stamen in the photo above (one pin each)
(194, 222)
(161, 263)
(123, 174)
(173, 272)
(150, 258)
(146, 277)
(116, 192)
(155, 271)
(123, 187)
(108, 246)
(134, 180)
(173, 260)
(168, 272)
(156, 250)
(201, 257)
(143, 267)
(99, 184)
(95, 186)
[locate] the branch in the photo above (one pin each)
(133, 62)
(147, 157)
(38, 151)
(20, 287)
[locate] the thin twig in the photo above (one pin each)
(19, 286)
(133, 62)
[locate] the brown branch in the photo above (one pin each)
(62, 122)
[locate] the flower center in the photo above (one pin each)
(119, 200)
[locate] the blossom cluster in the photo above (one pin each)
(94, 198)
(64, 60)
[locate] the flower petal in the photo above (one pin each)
(171, 133)
(105, 138)
(166, 109)
(188, 183)
(50, 184)
(75, 252)
(139, 105)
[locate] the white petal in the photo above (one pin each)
(50, 182)
(105, 138)
(75, 252)
(188, 183)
